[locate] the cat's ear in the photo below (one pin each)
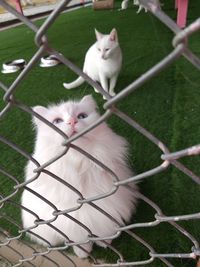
(113, 35)
(98, 35)
(89, 101)
(41, 111)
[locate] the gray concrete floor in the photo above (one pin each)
(32, 10)
(13, 257)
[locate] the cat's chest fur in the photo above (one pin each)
(95, 65)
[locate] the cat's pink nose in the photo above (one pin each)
(72, 121)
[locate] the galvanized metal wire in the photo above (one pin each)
(167, 157)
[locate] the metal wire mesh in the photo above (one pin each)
(168, 158)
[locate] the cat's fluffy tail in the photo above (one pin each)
(74, 84)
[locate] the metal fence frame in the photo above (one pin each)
(168, 158)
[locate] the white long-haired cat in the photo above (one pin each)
(82, 173)
(102, 62)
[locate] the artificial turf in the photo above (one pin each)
(167, 106)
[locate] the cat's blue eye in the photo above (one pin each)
(82, 116)
(107, 49)
(57, 120)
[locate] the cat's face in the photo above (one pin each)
(70, 117)
(106, 43)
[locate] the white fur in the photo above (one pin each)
(124, 5)
(136, 3)
(79, 171)
(102, 62)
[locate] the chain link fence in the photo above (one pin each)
(29, 258)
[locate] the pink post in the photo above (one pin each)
(176, 4)
(18, 6)
(182, 12)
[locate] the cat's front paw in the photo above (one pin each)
(112, 93)
(96, 90)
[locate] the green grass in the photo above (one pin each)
(167, 106)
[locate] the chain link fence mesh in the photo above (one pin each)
(180, 43)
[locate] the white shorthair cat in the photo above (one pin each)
(153, 4)
(102, 62)
(79, 171)
(124, 5)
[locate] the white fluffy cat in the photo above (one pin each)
(82, 173)
(102, 62)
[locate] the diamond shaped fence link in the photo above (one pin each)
(167, 158)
